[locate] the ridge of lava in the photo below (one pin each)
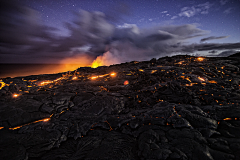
(180, 107)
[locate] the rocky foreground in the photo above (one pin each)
(179, 107)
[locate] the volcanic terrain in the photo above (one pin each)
(180, 107)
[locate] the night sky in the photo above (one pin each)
(73, 31)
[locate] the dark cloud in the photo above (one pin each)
(209, 46)
(212, 38)
(21, 30)
(92, 33)
(213, 52)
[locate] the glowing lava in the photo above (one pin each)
(94, 77)
(15, 95)
(41, 120)
(113, 74)
(212, 81)
(201, 79)
(74, 78)
(46, 119)
(2, 84)
(97, 62)
(227, 119)
(126, 82)
(200, 59)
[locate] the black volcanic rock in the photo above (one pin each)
(180, 107)
(235, 55)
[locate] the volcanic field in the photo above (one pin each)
(180, 107)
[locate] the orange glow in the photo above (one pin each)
(126, 82)
(212, 81)
(201, 79)
(15, 95)
(74, 78)
(1, 127)
(94, 77)
(113, 74)
(46, 119)
(41, 120)
(200, 59)
(97, 62)
(227, 119)
(141, 70)
(180, 62)
(45, 83)
(153, 71)
(2, 84)
(48, 81)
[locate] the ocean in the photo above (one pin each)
(19, 70)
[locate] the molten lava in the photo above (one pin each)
(46, 119)
(200, 59)
(74, 78)
(126, 82)
(97, 62)
(201, 79)
(94, 77)
(212, 81)
(113, 74)
(15, 95)
(2, 84)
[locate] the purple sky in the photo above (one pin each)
(43, 31)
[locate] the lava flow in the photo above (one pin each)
(181, 99)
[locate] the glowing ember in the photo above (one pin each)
(141, 70)
(201, 79)
(227, 119)
(2, 84)
(212, 81)
(126, 82)
(15, 95)
(94, 77)
(45, 83)
(41, 120)
(97, 62)
(180, 62)
(200, 59)
(1, 127)
(74, 78)
(153, 71)
(46, 119)
(113, 74)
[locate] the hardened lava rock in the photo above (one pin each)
(172, 108)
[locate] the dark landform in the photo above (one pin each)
(236, 55)
(180, 107)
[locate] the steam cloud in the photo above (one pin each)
(93, 34)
